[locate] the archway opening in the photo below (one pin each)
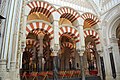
(91, 56)
(67, 55)
(37, 55)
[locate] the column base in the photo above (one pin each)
(2, 65)
(4, 75)
(109, 77)
(87, 72)
(12, 74)
(117, 76)
(12, 66)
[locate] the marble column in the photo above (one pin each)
(4, 11)
(34, 53)
(80, 52)
(6, 38)
(22, 34)
(15, 34)
(98, 55)
(56, 49)
(14, 71)
(40, 53)
(116, 56)
(55, 64)
(8, 31)
(106, 58)
(86, 63)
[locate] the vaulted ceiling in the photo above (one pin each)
(99, 6)
(83, 3)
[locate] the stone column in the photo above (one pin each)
(56, 48)
(6, 36)
(13, 44)
(22, 34)
(99, 63)
(86, 63)
(116, 55)
(40, 53)
(14, 41)
(4, 11)
(82, 42)
(102, 65)
(34, 53)
(81, 32)
(108, 75)
(55, 62)
(8, 31)
(80, 52)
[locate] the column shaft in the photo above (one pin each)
(13, 30)
(8, 29)
(82, 66)
(56, 49)
(40, 53)
(4, 12)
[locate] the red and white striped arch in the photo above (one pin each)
(41, 26)
(90, 47)
(71, 31)
(33, 43)
(46, 44)
(41, 7)
(68, 45)
(90, 18)
(93, 34)
(68, 13)
(29, 50)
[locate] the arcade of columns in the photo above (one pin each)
(49, 32)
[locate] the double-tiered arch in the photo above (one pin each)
(36, 26)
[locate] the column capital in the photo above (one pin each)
(23, 45)
(54, 52)
(100, 51)
(40, 55)
(80, 26)
(13, 65)
(2, 60)
(41, 36)
(55, 47)
(114, 40)
(80, 51)
(2, 65)
(98, 28)
(81, 21)
(56, 20)
(110, 49)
